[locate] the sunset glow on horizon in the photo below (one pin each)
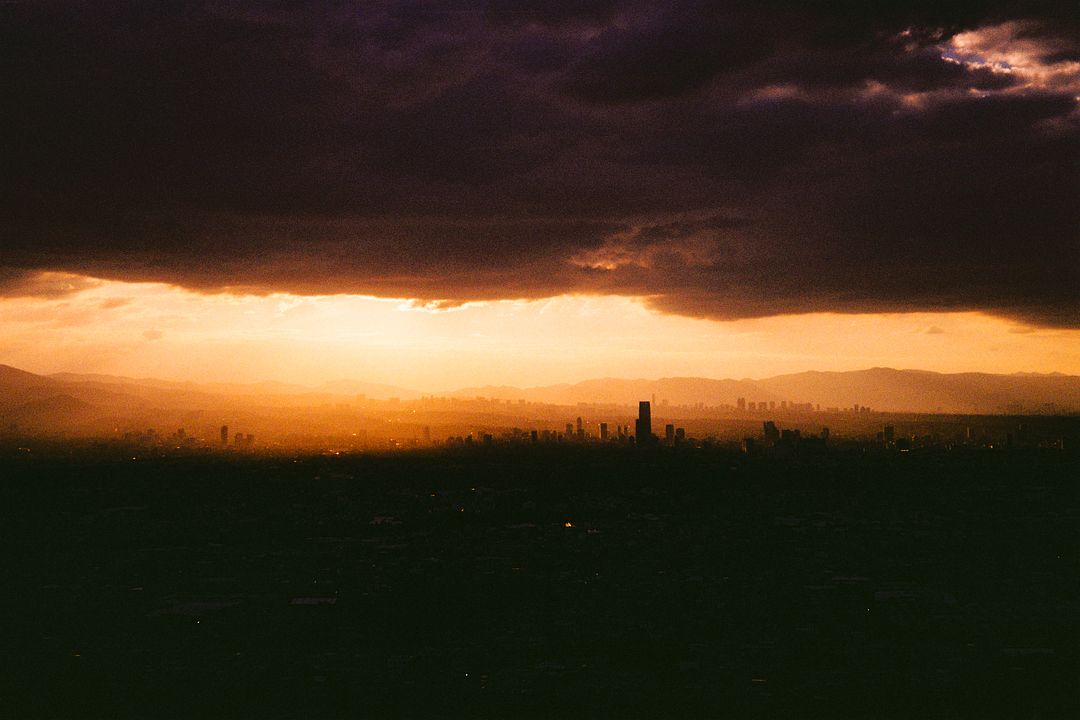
(162, 331)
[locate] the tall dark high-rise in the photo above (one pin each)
(603, 431)
(643, 426)
(224, 434)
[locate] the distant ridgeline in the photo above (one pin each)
(890, 407)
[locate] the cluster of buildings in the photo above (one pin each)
(786, 406)
(785, 439)
(182, 440)
(859, 430)
(772, 438)
(240, 440)
(577, 433)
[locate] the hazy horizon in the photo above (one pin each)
(164, 332)
(336, 385)
(362, 415)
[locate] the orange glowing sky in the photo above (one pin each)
(156, 330)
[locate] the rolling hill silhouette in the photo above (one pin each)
(883, 389)
(101, 403)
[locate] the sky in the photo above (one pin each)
(437, 194)
(156, 330)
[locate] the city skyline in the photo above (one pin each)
(157, 416)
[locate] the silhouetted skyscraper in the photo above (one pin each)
(224, 434)
(603, 431)
(643, 426)
(669, 433)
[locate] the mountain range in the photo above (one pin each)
(88, 402)
(883, 389)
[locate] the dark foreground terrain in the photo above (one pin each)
(543, 582)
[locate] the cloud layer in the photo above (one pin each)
(755, 159)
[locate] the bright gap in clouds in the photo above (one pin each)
(154, 330)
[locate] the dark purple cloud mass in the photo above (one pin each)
(727, 160)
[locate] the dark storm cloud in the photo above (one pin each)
(725, 160)
(50, 286)
(662, 56)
